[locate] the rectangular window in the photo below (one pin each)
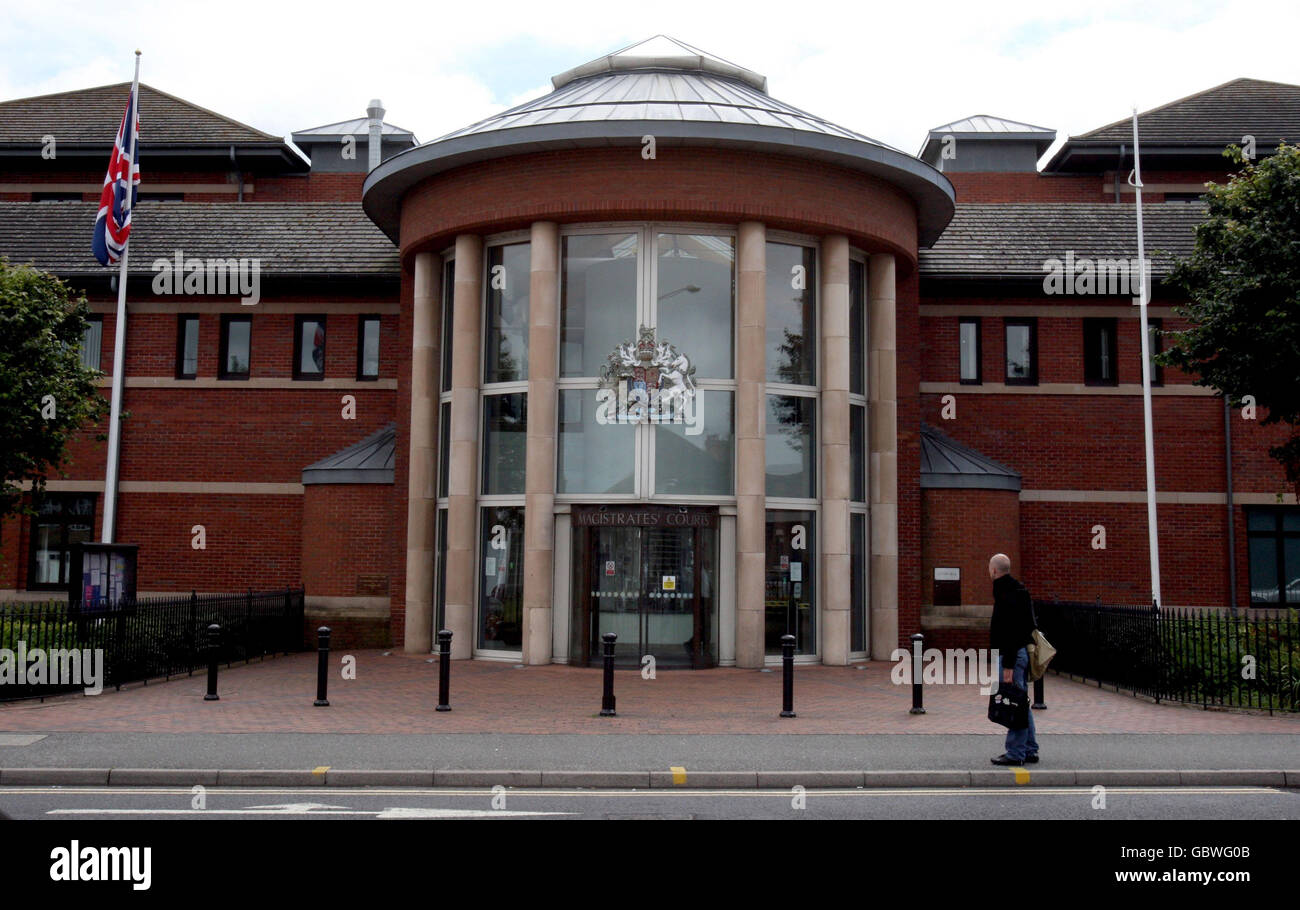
(971, 354)
(448, 298)
(444, 447)
(309, 347)
(1154, 347)
(592, 457)
(236, 347)
(61, 520)
(857, 327)
(791, 446)
(790, 604)
(1022, 351)
(858, 582)
(791, 314)
(1273, 539)
(505, 434)
(187, 347)
(367, 347)
(505, 340)
(440, 596)
(501, 591)
(858, 451)
(92, 338)
(1099, 364)
(694, 305)
(691, 462)
(598, 297)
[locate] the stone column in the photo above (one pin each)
(422, 494)
(539, 484)
(751, 441)
(462, 481)
(882, 411)
(836, 473)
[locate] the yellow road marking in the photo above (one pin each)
(320, 769)
(679, 775)
(1022, 776)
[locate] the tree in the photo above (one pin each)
(1242, 281)
(46, 395)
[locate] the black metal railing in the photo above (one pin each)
(148, 638)
(1208, 657)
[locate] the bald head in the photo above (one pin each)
(999, 565)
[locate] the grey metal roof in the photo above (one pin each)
(1014, 240)
(358, 126)
(682, 99)
(288, 238)
(368, 461)
(947, 464)
(984, 126)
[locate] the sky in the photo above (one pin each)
(890, 71)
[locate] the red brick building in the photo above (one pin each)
(861, 375)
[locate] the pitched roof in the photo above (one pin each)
(1269, 111)
(289, 238)
(983, 123)
(662, 51)
(357, 126)
(92, 115)
(946, 463)
(999, 240)
(368, 461)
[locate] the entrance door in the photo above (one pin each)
(653, 583)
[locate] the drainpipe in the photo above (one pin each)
(375, 111)
(1119, 169)
(1232, 531)
(234, 163)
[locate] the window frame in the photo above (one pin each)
(361, 346)
(182, 321)
(1107, 326)
(65, 546)
(299, 320)
(227, 320)
(979, 350)
(1031, 323)
(92, 320)
(1155, 331)
(1279, 535)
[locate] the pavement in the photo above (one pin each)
(540, 727)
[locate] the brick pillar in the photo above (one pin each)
(543, 367)
(882, 414)
(462, 481)
(836, 472)
(751, 441)
(422, 501)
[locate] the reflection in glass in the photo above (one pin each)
(448, 296)
(597, 299)
(370, 348)
(311, 347)
(791, 314)
(699, 463)
(505, 358)
(505, 433)
(858, 582)
(790, 604)
(857, 327)
(791, 450)
(592, 457)
(696, 291)
(444, 447)
(1019, 353)
(501, 593)
(858, 451)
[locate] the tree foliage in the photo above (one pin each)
(46, 395)
(1242, 282)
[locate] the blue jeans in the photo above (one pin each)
(1022, 742)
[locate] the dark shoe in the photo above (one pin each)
(1031, 759)
(1005, 759)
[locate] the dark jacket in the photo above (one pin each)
(1013, 622)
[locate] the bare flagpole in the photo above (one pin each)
(119, 331)
(1144, 295)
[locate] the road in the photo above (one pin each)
(1183, 803)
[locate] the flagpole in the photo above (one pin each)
(1144, 294)
(119, 331)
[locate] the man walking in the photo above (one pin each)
(1010, 634)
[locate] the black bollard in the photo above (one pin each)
(444, 670)
(787, 676)
(214, 651)
(322, 666)
(607, 699)
(1039, 704)
(917, 640)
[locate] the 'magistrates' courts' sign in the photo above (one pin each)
(649, 382)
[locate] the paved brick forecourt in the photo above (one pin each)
(397, 694)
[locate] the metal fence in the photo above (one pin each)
(146, 639)
(1194, 656)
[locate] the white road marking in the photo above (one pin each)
(317, 810)
(20, 739)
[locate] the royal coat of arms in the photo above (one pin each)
(651, 381)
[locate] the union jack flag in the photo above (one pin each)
(113, 223)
